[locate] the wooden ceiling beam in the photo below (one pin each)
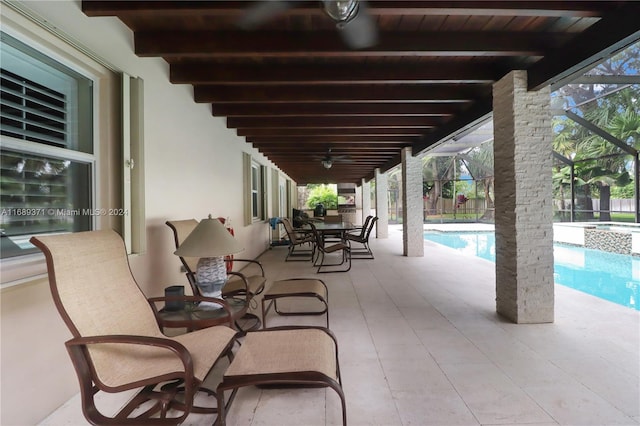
(388, 93)
(337, 149)
(372, 141)
(304, 156)
(327, 109)
(336, 122)
(305, 74)
(350, 168)
(257, 109)
(242, 44)
(316, 170)
(369, 131)
(310, 155)
(582, 8)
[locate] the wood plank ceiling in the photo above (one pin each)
(294, 90)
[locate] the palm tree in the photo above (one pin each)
(618, 116)
(479, 161)
(435, 170)
(564, 143)
(611, 107)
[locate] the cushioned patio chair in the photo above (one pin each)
(236, 285)
(363, 252)
(360, 230)
(117, 344)
(284, 356)
(322, 250)
(301, 242)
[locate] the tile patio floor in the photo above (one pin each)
(421, 344)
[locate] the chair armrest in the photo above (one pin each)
(244, 281)
(247, 261)
(76, 347)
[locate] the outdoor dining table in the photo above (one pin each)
(339, 228)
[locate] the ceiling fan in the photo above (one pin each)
(353, 21)
(328, 160)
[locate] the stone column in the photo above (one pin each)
(382, 204)
(523, 200)
(366, 199)
(412, 215)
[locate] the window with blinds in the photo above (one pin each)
(32, 112)
(46, 152)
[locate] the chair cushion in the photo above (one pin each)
(120, 364)
(285, 351)
(235, 284)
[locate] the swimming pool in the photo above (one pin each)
(606, 275)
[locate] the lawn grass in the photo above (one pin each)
(620, 217)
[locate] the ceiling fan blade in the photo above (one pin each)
(361, 31)
(261, 12)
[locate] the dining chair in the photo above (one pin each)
(363, 252)
(322, 250)
(301, 242)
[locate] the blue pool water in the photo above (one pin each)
(606, 275)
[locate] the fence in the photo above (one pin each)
(445, 209)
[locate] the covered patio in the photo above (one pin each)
(421, 344)
(421, 336)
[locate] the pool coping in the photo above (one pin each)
(580, 234)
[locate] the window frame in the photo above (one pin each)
(256, 184)
(250, 165)
(31, 266)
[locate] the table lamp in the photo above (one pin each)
(210, 241)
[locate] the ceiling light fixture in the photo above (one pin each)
(341, 10)
(327, 164)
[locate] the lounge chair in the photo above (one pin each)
(117, 344)
(238, 285)
(235, 286)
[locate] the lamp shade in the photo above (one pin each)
(209, 239)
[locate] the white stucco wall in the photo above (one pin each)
(193, 167)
